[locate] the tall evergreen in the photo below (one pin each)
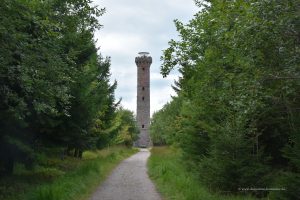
(238, 121)
(54, 84)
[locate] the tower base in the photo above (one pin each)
(144, 140)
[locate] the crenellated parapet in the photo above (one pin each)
(144, 59)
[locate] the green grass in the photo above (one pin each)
(69, 179)
(173, 180)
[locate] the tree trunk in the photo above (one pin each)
(69, 149)
(76, 152)
(80, 154)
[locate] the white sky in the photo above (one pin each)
(133, 26)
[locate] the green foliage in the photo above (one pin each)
(163, 123)
(128, 131)
(63, 179)
(54, 85)
(81, 181)
(175, 181)
(237, 121)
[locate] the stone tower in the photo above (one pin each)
(143, 62)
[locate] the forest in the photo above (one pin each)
(56, 97)
(235, 118)
(234, 122)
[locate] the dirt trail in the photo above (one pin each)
(129, 181)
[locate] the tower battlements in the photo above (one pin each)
(143, 60)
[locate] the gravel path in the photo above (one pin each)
(129, 181)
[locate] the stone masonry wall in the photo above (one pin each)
(143, 99)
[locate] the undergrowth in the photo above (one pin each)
(175, 182)
(67, 179)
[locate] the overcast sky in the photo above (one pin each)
(133, 26)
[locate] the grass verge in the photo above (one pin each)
(173, 180)
(69, 179)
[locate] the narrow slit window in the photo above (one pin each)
(143, 88)
(143, 98)
(143, 69)
(143, 126)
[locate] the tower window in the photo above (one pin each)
(143, 68)
(143, 98)
(143, 88)
(143, 126)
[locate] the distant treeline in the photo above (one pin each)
(236, 116)
(55, 92)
